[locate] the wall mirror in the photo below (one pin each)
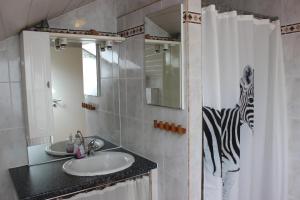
(163, 58)
(81, 88)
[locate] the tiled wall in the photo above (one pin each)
(288, 12)
(170, 151)
(125, 82)
(99, 15)
(12, 132)
(194, 74)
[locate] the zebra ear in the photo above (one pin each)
(248, 75)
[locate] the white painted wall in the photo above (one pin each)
(67, 85)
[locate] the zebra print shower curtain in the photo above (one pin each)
(244, 110)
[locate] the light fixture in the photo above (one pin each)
(157, 48)
(60, 43)
(102, 45)
(109, 44)
(166, 47)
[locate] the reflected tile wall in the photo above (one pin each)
(170, 151)
(13, 148)
(100, 15)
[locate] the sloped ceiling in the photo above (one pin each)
(17, 14)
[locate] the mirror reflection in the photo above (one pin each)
(91, 83)
(77, 70)
(163, 58)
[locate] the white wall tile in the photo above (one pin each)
(134, 98)
(135, 57)
(13, 153)
(170, 151)
(5, 106)
(14, 70)
(99, 15)
(17, 105)
(4, 77)
(123, 101)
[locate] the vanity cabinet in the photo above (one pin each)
(36, 77)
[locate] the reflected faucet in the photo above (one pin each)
(91, 147)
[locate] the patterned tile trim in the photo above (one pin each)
(290, 28)
(82, 32)
(132, 31)
(192, 17)
(151, 37)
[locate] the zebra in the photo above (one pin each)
(221, 139)
(211, 123)
(247, 97)
(221, 129)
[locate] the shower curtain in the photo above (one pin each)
(244, 109)
(138, 189)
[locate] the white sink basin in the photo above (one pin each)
(100, 164)
(59, 148)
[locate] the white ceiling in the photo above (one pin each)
(17, 14)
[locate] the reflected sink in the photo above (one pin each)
(100, 164)
(59, 148)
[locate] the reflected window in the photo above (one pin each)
(90, 70)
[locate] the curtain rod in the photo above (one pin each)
(242, 12)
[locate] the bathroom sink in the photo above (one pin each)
(99, 164)
(59, 148)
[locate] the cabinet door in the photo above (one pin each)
(36, 74)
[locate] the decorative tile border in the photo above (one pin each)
(132, 31)
(192, 17)
(188, 17)
(151, 37)
(70, 31)
(290, 28)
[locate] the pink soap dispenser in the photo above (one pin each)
(79, 146)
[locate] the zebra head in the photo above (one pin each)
(247, 97)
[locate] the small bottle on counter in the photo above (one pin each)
(70, 145)
(79, 146)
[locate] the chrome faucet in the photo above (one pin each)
(91, 147)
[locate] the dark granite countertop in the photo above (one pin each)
(37, 154)
(48, 180)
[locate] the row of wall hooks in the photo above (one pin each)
(170, 127)
(88, 106)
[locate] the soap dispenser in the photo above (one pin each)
(79, 145)
(70, 145)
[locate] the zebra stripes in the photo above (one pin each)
(212, 140)
(230, 126)
(221, 139)
(222, 129)
(247, 97)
